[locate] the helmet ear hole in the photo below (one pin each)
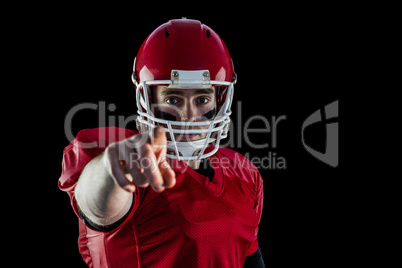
(167, 33)
(208, 33)
(220, 96)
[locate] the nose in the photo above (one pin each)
(189, 113)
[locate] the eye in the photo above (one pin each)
(172, 100)
(202, 100)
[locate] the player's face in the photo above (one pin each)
(185, 105)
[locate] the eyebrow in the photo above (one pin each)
(170, 91)
(204, 91)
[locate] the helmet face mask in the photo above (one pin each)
(213, 130)
(218, 74)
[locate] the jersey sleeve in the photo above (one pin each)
(249, 173)
(258, 205)
(87, 145)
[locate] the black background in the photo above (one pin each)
(289, 62)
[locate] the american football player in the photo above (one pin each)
(168, 195)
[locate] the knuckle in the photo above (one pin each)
(132, 159)
(146, 149)
(155, 179)
(141, 182)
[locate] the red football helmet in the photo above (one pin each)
(184, 54)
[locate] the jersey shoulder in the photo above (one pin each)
(104, 135)
(99, 138)
(88, 144)
(237, 165)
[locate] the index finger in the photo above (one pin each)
(149, 164)
(169, 177)
(159, 143)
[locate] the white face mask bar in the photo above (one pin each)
(219, 126)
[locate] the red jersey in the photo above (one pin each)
(197, 223)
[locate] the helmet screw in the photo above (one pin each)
(205, 74)
(175, 74)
